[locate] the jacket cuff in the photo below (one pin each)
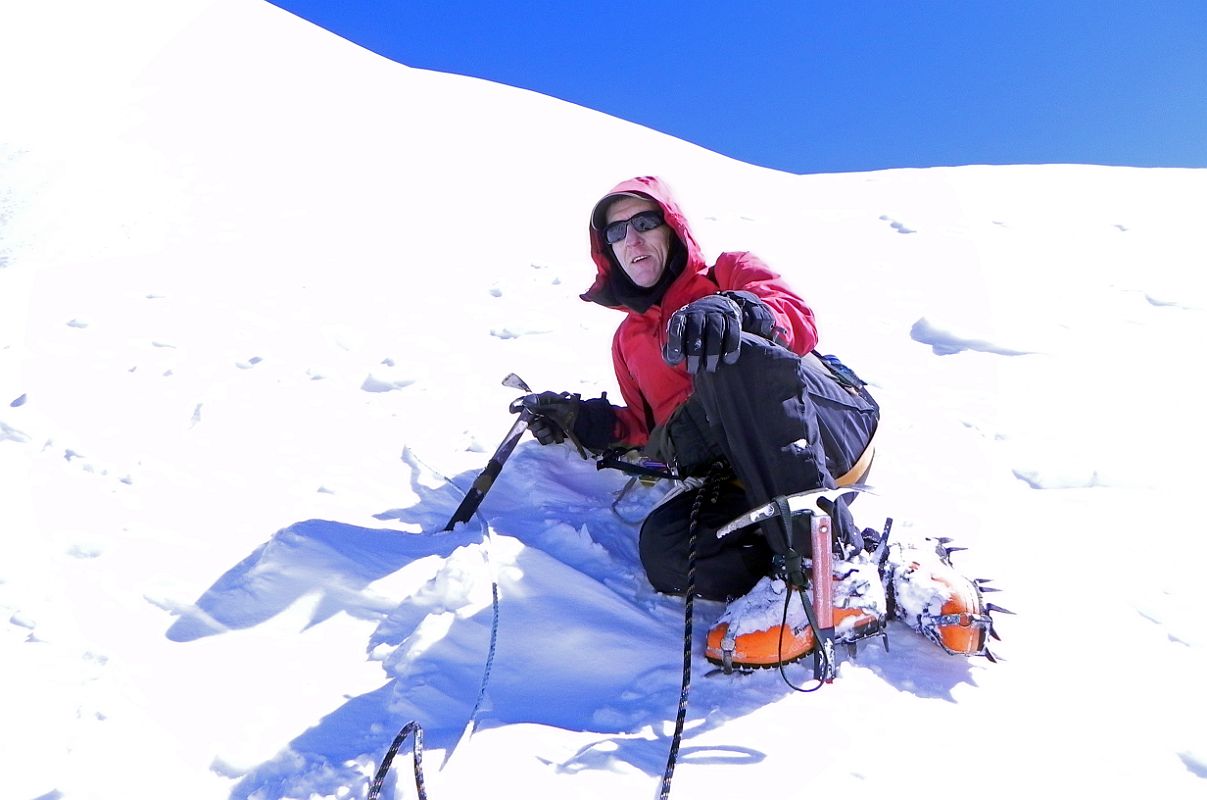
(595, 423)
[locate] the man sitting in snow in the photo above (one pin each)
(717, 369)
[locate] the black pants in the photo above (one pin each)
(784, 425)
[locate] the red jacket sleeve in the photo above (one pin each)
(632, 420)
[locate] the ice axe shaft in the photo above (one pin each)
(486, 478)
(823, 595)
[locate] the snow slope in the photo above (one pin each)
(258, 288)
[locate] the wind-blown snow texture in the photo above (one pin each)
(258, 288)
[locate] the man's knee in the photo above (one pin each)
(764, 373)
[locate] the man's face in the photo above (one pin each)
(642, 256)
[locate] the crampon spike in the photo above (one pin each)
(998, 609)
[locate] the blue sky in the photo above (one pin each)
(843, 86)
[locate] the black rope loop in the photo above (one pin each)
(794, 578)
(417, 752)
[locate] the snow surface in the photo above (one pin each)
(258, 289)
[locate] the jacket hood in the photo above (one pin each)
(612, 287)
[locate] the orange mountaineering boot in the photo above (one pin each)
(768, 626)
(753, 631)
(930, 596)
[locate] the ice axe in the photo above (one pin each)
(821, 613)
(469, 505)
(486, 478)
(804, 502)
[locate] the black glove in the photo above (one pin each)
(553, 413)
(709, 328)
(756, 315)
(557, 416)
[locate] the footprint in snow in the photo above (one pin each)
(11, 434)
(84, 551)
(22, 620)
(375, 384)
(514, 333)
(899, 227)
(1163, 303)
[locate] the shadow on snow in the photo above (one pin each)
(575, 612)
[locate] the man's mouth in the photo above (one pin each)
(638, 258)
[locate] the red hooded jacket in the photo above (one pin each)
(652, 389)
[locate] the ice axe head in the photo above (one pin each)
(514, 381)
(805, 502)
(808, 501)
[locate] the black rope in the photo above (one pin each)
(709, 490)
(711, 485)
(415, 727)
(417, 750)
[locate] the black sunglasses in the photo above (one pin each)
(645, 221)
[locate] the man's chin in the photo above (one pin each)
(645, 279)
